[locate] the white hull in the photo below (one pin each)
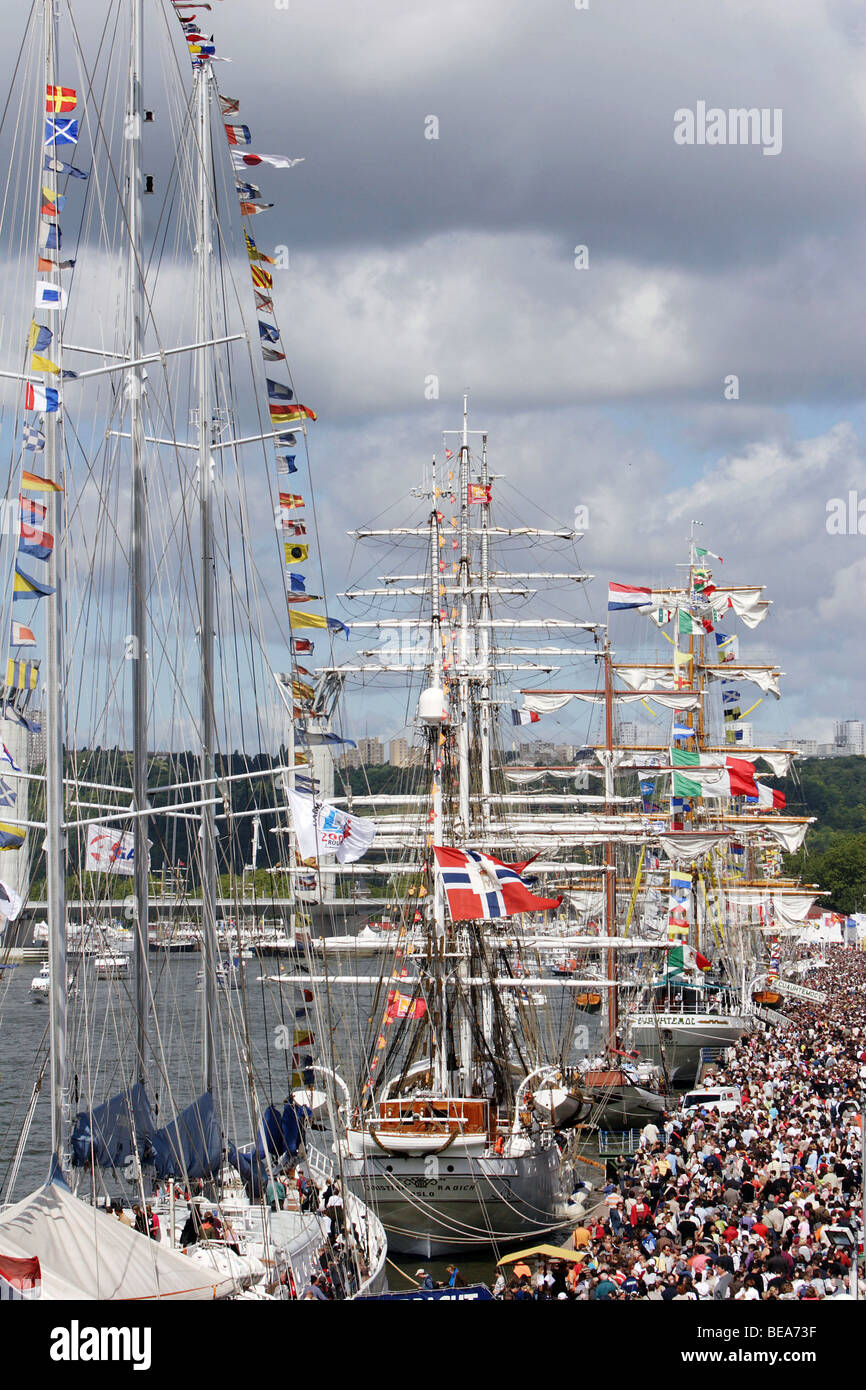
(432, 1205)
(677, 1039)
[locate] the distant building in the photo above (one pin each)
(849, 738)
(402, 753)
(371, 752)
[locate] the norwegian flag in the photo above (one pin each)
(480, 888)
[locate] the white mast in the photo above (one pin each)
(134, 391)
(206, 578)
(484, 653)
(439, 1031)
(55, 839)
(463, 650)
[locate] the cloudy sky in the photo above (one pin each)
(604, 386)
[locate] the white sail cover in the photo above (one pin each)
(790, 837)
(86, 1254)
(683, 846)
(646, 677)
(748, 604)
(540, 702)
(766, 679)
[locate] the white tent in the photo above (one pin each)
(87, 1254)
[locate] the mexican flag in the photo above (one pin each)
(712, 775)
(690, 626)
(685, 957)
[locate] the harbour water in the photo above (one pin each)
(258, 1016)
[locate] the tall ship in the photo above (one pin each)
(152, 595)
(559, 934)
(462, 1075)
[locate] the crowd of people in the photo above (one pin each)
(760, 1203)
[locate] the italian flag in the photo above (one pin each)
(685, 957)
(712, 775)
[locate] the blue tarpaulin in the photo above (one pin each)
(190, 1146)
(109, 1134)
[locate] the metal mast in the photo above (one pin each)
(438, 942)
(484, 654)
(609, 851)
(55, 839)
(206, 578)
(463, 656)
(138, 653)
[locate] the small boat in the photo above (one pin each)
(111, 966)
(618, 1099)
(766, 996)
(588, 1003)
(40, 985)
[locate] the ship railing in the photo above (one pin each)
(319, 1160)
(618, 1143)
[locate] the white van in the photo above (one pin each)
(723, 1099)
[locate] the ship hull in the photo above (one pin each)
(626, 1106)
(676, 1040)
(468, 1203)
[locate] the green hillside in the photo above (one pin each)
(834, 855)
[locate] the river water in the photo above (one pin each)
(102, 1033)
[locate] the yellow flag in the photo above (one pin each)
(43, 364)
(307, 620)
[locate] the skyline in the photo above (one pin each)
(603, 384)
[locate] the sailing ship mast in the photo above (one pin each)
(139, 568)
(207, 730)
(55, 834)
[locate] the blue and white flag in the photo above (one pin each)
(32, 439)
(50, 236)
(321, 828)
(61, 130)
(49, 296)
(683, 730)
(56, 166)
(7, 758)
(286, 463)
(278, 392)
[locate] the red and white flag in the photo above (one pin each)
(481, 888)
(20, 1279)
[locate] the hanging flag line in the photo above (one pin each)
(286, 414)
(41, 398)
